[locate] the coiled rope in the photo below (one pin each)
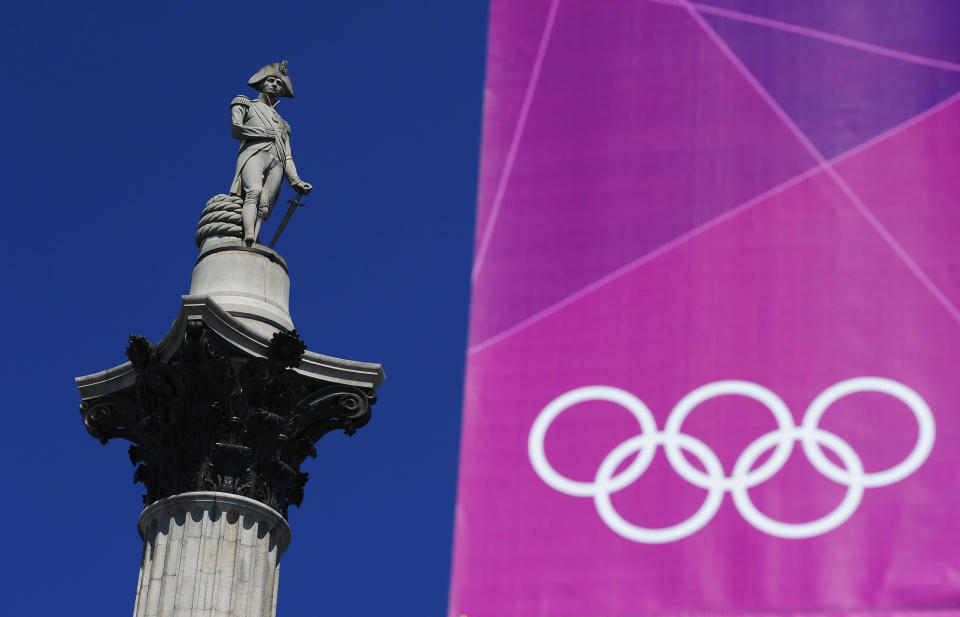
(220, 217)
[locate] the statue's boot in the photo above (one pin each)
(250, 222)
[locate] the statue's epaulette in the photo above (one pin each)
(240, 100)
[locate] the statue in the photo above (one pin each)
(264, 157)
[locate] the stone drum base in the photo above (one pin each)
(249, 282)
(209, 554)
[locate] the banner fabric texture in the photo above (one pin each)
(715, 325)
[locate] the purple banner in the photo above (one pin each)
(715, 333)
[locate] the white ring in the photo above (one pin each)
(781, 413)
(665, 534)
(538, 433)
(831, 521)
(925, 424)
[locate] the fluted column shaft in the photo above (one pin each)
(210, 554)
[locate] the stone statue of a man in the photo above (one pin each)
(264, 157)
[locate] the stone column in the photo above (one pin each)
(221, 413)
(210, 554)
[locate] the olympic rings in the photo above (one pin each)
(743, 476)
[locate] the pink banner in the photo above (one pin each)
(715, 332)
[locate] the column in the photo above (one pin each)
(210, 554)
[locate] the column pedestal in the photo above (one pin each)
(251, 283)
(210, 554)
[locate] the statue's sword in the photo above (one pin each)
(294, 204)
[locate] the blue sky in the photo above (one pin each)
(116, 134)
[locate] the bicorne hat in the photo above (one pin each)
(277, 69)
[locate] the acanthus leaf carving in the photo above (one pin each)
(208, 420)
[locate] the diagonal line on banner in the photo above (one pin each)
(817, 34)
(515, 141)
(841, 183)
(680, 240)
(636, 263)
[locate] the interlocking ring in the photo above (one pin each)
(743, 476)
